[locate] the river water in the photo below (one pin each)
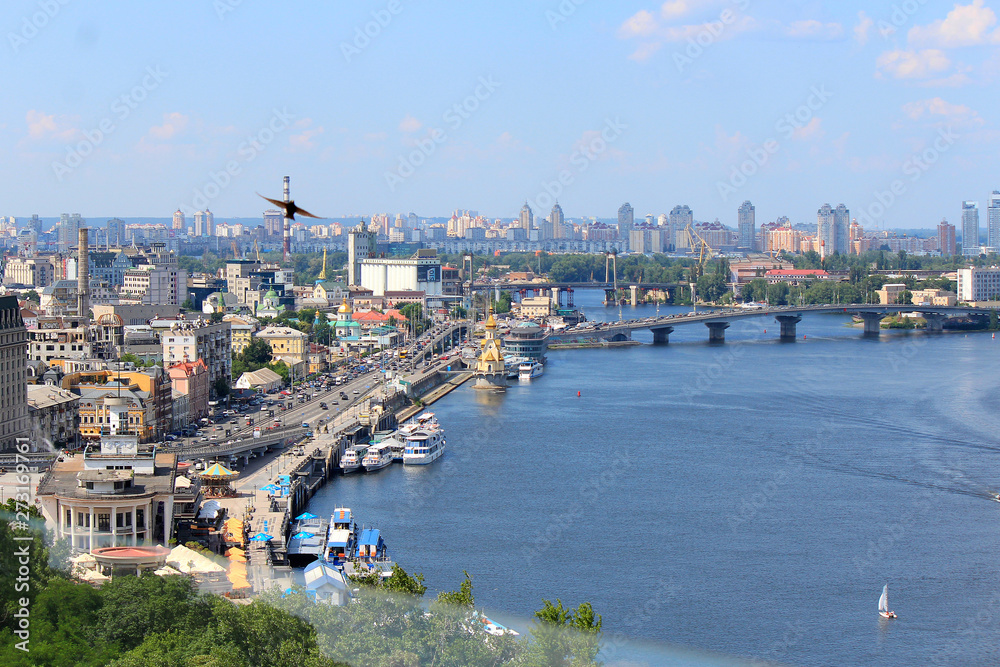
(748, 499)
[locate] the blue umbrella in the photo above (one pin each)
(270, 488)
(303, 536)
(261, 537)
(305, 516)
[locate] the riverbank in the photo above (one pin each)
(594, 344)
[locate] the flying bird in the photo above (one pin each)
(289, 208)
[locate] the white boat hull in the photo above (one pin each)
(423, 459)
(378, 465)
(350, 468)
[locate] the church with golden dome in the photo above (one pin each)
(346, 328)
(490, 371)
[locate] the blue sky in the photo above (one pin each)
(136, 109)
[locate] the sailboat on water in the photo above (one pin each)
(883, 604)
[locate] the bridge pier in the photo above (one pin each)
(935, 321)
(873, 323)
(634, 289)
(717, 331)
(788, 323)
(661, 335)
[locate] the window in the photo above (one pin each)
(69, 517)
(104, 522)
(83, 519)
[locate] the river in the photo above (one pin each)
(748, 499)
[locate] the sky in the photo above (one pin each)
(140, 108)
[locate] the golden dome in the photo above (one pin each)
(491, 323)
(344, 308)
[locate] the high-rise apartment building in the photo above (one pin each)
(69, 230)
(970, 229)
(626, 220)
(527, 218)
(680, 218)
(841, 230)
(179, 221)
(826, 229)
(747, 227)
(116, 232)
(993, 221)
(556, 220)
(946, 238)
(274, 223)
(14, 380)
(361, 245)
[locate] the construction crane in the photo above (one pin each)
(256, 249)
(236, 250)
(697, 244)
(322, 274)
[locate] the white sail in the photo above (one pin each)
(883, 602)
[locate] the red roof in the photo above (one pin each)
(797, 272)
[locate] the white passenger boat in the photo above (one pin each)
(530, 370)
(351, 462)
(379, 456)
(423, 447)
(422, 422)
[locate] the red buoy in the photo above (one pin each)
(578, 394)
(804, 336)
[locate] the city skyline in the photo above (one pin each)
(170, 127)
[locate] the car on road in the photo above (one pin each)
(356, 391)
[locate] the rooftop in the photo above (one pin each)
(61, 480)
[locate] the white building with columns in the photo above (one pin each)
(118, 496)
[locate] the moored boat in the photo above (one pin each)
(379, 456)
(423, 447)
(530, 370)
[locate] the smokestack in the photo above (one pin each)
(288, 224)
(83, 274)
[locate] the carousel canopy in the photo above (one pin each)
(219, 471)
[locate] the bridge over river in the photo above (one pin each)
(787, 316)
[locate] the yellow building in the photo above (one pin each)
(242, 332)
(285, 342)
(490, 369)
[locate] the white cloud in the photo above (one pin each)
(902, 64)
(48, 126)
(863, 28)
(304, 141)
(965, 25)
(410, 125)
(642, 24)
(174, 124)
(812, 29)
(937, 109)
(812, 130)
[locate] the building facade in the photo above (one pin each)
(946, 238)
(975, 284)
(993, 222)
(13, 374)
(53, 414)
(747, 226)
(190, 340)
(970, 229)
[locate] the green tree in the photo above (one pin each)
(221, 387)
(188, 304)
(281, 369)
(215, 318)
(32, 296)
(462, 597)
(564, 637)
(256, 355)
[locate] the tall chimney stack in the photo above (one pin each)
(288, 224)
(83, 274)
